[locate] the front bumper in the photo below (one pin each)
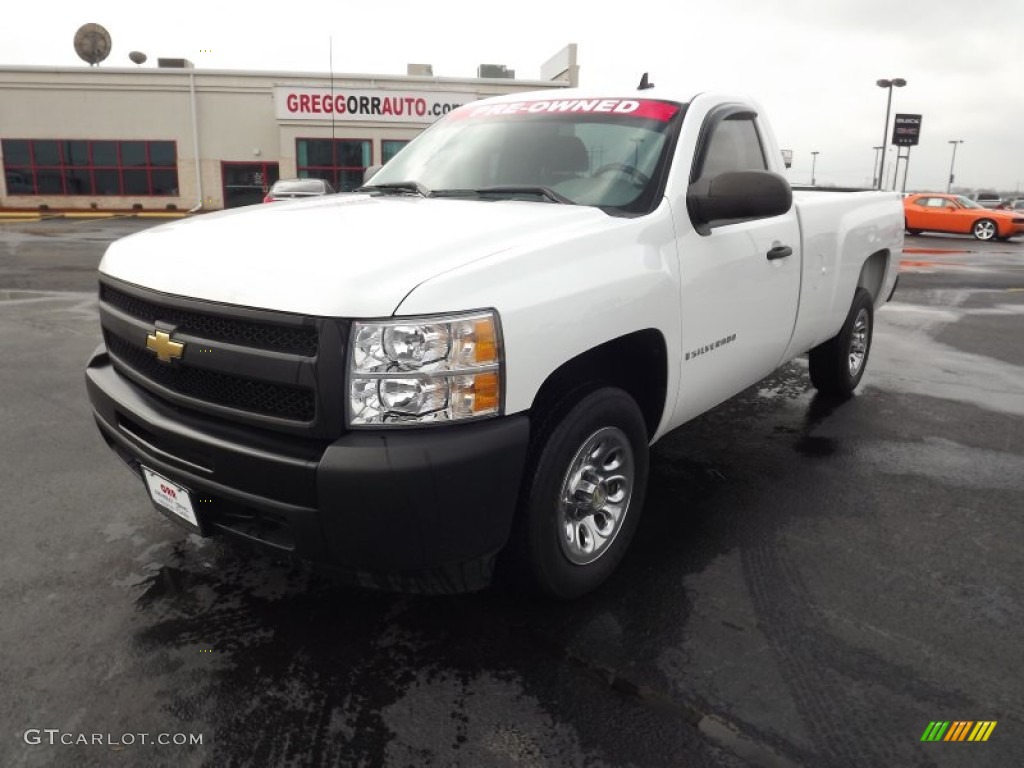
(421, 509)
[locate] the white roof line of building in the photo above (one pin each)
(275, 74)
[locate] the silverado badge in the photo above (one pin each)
(166, 350)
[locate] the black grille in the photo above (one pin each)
(261, 397)
(282, 338)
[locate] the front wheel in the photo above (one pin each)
(581, 506)
(837, 365)
(984, 229)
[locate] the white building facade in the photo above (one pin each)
(176, 138)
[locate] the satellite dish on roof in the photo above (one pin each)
(138, 57)
(92, 43)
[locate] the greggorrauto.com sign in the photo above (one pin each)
(346, 104)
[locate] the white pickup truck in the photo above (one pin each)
(465, 362)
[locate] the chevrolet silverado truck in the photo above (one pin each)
(457, 371)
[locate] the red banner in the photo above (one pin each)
(645, 108)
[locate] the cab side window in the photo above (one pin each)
(734, 145)
(729, 143)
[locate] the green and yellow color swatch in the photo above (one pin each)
(958, 730)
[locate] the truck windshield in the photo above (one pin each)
(608, 153)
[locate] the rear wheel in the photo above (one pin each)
(906, 226)
(984, 229)
(837, 365)
(580, 507)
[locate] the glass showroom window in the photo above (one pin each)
(340, 161)
(79, 167)
(389, 148)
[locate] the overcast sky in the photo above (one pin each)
(811, 63)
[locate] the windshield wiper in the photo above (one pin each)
(511, 189)
(397, 187)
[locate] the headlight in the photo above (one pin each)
(424, 370)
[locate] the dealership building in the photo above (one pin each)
(172, 137)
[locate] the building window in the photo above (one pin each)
(339, 161)
(389, 148)
(73, 167)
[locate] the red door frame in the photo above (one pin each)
(264, 171)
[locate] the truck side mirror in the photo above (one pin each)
(737, 196)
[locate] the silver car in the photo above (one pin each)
(293, 189)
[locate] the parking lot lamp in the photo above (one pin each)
(954, 142)
(897, 82)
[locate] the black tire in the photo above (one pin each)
(910, 231)
(831, 362)
(540, 549)
(984, 229)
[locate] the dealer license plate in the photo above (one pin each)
(171, 497)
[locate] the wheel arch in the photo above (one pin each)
(636, 363)
(872, 274)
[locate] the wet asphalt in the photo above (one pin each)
(812, 583)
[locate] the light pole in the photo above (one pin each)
(874, 168)
(814, 164)
(954, 142)
(898, 82)
(891, 182)
(906, 169)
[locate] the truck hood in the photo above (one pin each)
(343, 256)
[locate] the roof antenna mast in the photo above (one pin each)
(644, 83)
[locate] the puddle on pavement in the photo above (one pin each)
(23, 295)
(31, 297)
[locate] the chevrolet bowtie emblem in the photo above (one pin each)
(166, 350)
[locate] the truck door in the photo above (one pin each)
(740, 290)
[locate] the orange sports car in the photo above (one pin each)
(934, 212)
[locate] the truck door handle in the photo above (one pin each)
(779, 252)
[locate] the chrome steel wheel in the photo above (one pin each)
(859, 342)
(595, 495)
(985, 229)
